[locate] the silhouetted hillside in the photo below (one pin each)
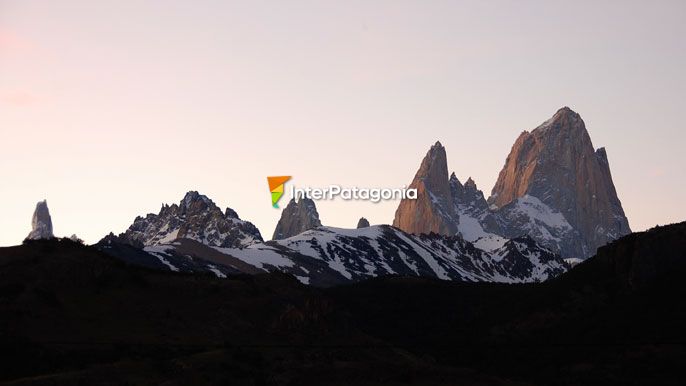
(616, 318)
(72, 315)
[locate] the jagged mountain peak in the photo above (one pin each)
(554, 186)
(601, 154)
(297, 217)
(433, 210)
(469, 202)
(41, 222)
(196, 201)
(557, 165)
(434, 166)
(566, 111)
(470, 184)
(192, 195)
(196, 217)
(566, 124)
(230, 213)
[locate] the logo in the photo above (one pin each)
(276, 187)
(374, 195)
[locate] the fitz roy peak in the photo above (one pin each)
(557, 165)
(197, 218)
(554, 188)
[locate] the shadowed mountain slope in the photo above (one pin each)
(71, 314)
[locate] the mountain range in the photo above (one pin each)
(554, 187)
(321, 256)
(541, 283)
(553, 205)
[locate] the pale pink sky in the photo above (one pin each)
(109, 109)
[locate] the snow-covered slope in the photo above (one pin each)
(328, 256)
(490, 228)
(529, 215)
(382, 250)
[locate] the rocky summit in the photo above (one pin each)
(362, 223)
(557, 165)
(197, 218)
(554, 187)
(297, 218)
(433, 210)
(41, 223)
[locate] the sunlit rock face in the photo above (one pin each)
(556, 166)
(433, 210)
(555, 188)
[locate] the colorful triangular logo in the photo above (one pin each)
(276, 187)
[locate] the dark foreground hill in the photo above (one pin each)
(72, 315)
(618, 318)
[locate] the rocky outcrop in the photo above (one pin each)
(554, 188)
(446, 206)
(476, 221)
(197, 218)
(363, 223)
(467, 196)
(556, 169)
(296, 218)
(41, 223)
(433, 210)
(76, 239)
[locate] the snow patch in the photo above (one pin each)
(490, 242)
(537, 210)
(160, 251)
(258, 255)
(216, 271)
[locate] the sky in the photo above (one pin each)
(109, 109)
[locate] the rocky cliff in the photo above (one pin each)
(557, 165)
(197, 218)
(554, 187)
(41, 223)
(433, 210)
(296, 218)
